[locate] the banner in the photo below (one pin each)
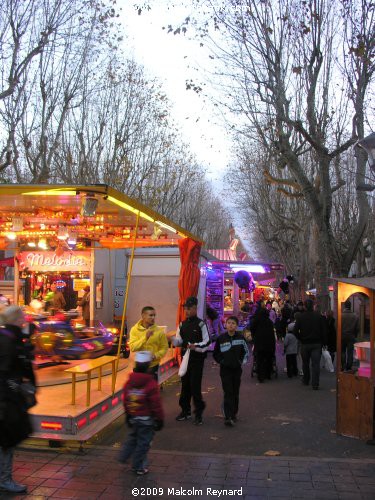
(49, 261)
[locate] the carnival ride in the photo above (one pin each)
(60, 229)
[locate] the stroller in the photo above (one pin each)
(274, 372)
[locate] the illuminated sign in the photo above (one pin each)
(49, 261)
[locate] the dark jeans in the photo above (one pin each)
(154, 372)
(264, 360)
(291, 365)
(311, 352)
(231, 381)
(138, 443)
(347, 351)
(191, 387)
(6, 464)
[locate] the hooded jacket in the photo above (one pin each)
(142, 397)
(157, 344)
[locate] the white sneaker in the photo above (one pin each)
(13, 487)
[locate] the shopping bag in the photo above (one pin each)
(184, 363)
(327, 361)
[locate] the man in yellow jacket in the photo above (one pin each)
(147, 336)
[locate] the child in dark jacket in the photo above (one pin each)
(231, 352)
(291, 351)
(144, 413)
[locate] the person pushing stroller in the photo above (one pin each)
(263, 335)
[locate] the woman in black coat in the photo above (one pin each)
(263, 334)
(15, 368)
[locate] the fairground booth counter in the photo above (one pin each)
(355, 410)
(75, 245)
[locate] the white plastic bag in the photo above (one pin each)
(184, 363)
(327, 361)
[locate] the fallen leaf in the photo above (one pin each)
(285, 423)
(333, 431)
(285, 418)
(219, 415)
(214, 438)
(272, 453)
(333, 390)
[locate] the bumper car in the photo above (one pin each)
(56, 338)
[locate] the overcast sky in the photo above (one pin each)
(172, 59)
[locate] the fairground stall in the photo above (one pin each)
(233, 284)
(62, 239)
(355, 413)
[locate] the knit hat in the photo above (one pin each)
(143, 356)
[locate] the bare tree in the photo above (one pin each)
(287, 75)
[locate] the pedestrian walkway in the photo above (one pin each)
(97, 474)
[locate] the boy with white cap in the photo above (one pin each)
(144, 413)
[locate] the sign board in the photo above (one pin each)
(49, 261)
(80, 283)
(119, 299)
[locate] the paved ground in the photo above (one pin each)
(279, 415)
(96, 474)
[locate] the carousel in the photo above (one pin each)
(61, 239)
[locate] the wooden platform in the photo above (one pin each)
(56, 375)
(56, 418)
(56, 399)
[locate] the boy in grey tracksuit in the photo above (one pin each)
(231, 352)
(290, 351)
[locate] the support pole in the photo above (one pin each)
(126, 300)
(16, 290)
(92, 286)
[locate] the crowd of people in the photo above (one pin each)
(301, 329)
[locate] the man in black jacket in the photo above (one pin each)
(192, 334)
(310, 330)
(231, 353)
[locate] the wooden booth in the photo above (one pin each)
(355, 388)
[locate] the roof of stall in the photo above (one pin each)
(250, 266)
(366, 282)
(41, 211)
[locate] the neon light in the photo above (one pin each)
(251, 268)
(93, 415)
(105, 408)
(170, 228)
(171, 363)
(81, 422)
(56, 426)
(52, 192)
(115, 401)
